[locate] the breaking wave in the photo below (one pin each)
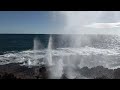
(79, 57)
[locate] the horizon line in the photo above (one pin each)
(62, 33)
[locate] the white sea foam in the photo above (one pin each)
(91, 56)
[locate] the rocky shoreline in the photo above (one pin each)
(15, 71)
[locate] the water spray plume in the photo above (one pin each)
(49, 53)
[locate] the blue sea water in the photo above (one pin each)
(92, 50)
(19, 42)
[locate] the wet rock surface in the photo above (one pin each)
(15, 71)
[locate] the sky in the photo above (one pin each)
(92, 22)
(35, 22)
(57, 22)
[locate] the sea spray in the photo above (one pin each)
(56, 71)
(49, 52)
(37, 44)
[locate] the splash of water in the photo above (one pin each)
(37, 44)
(56, 71)
(49, 53)
(55, 68)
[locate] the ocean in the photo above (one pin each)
(77, 50)
(19, 42)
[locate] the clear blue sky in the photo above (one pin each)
(29, 22)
